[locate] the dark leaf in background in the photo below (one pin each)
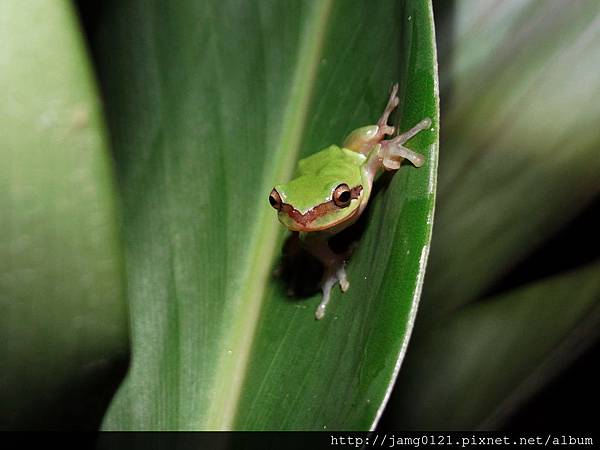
(490, 355)
(63, 317)
(518, 162)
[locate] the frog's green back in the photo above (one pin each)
(319, 174)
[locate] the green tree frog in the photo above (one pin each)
(332, 189)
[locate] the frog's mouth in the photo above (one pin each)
(305, 220)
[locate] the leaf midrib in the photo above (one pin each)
(231, 370)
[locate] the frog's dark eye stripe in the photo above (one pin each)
(318, 211)
(275, 200)
(342, 195)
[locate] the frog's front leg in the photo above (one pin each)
(334, 270)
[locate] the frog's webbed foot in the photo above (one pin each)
(334, 270)
(336, 273)
(393, 152)
(392, 103)
(363, 139)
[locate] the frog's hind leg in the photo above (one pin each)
(392, 104)
(394, 152)
(408, 135)
(362, 140)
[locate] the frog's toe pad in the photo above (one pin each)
(344, 285)
(343, 279)
(320, 312)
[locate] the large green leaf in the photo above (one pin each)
(63, 320)
(487, 357)
(210, 104)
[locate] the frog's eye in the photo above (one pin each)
(275, 200)
(342, 195)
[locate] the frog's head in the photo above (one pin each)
(327, 192)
